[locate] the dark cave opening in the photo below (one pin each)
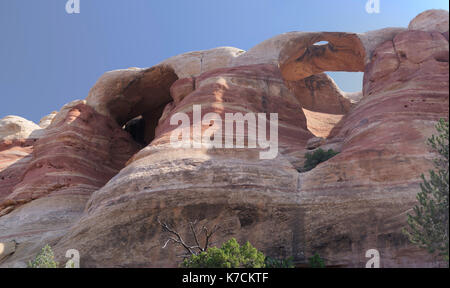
(143, 127)
(142, 104)
(136, 128)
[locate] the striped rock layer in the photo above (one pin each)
(87, 185)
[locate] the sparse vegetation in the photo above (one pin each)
(428, 225)
(279, 263)
(230, 255)
(316, 261)
(315, 158)
(45, 259)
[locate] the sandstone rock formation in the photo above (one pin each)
(193, 64)
(14, 127)
(431, 20)
(49, 189)
(86, 185)
(14, 158)
(7, 249)
(306, 56)
(323, 103)
(47, 120)
(383, 152)
(17, 136)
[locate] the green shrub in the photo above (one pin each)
(279, 263)
(45, 259)
(428, 225)
(317, 157)
(230, 255)
(316, 262)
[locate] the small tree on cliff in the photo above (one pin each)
(45, 259)
(230, 255)
(428, 227)
(201, 255)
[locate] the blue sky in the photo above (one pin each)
(49, 58)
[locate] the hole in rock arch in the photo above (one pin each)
(348, 82)
(321, 43)
(145, 99)
(143, 127)
(326, 98)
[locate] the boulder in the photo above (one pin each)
(7, 249)
(15, 127)
(47, 120)
(431, 20)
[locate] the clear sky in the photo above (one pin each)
(49, 58)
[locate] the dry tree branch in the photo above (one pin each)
(209, 235)
(178, 239)
(192, 226)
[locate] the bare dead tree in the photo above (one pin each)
(196, 248)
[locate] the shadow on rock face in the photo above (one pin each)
(136, 128)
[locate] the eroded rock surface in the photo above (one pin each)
(14, 127)
(86, 185)
(17, 137)
(368, 189)
(47, 120)
(45, 194)
(431, 20)
(193, 64)
(319, 52)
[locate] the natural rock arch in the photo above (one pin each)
(125, 94)
(304, 58)
(301, 58)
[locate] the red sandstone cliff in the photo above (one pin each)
(83, 183)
